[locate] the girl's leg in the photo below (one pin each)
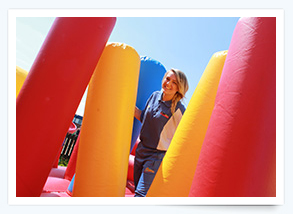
(148, 173)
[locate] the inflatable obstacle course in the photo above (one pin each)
(225, 144)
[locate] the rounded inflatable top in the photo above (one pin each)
(150, 78)
(72, 128)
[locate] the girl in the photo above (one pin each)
(160, 118)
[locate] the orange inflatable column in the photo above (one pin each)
(20, 77)
(51, 94)
(238, 156)
(103, 152)
(175, 175)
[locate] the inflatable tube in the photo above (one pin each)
(175, 175)
(52, 92)
(66, 172)
(150, 80)
(70, 187)
(130, 168)
(70, 170)
(238, 156)
(103, 152)
(71, 130)
(131, 162)
(129, 190)
(20, 77)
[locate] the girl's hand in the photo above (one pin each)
(137, 113)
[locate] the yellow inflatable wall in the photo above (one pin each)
(20, 77)
(175, 175)
(105, 139)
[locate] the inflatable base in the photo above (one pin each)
(129, 192)
(55, 194)
(58, 172)
(56, 185)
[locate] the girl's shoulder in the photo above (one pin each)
(156, 94)
(181, 107)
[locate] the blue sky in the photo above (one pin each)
(186, 43)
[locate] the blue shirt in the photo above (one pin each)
(158, 123)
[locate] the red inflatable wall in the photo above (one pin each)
(51, 94)
(238, 156)
(70, 170)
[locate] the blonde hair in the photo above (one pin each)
(182, 87)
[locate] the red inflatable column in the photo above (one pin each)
(51, 94)
(70, 170)
(238, 156)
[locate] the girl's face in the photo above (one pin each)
(170, 85)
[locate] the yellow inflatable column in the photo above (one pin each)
(20, 77)
(175, 175)
(105, 139)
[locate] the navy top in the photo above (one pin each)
(158, 123)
